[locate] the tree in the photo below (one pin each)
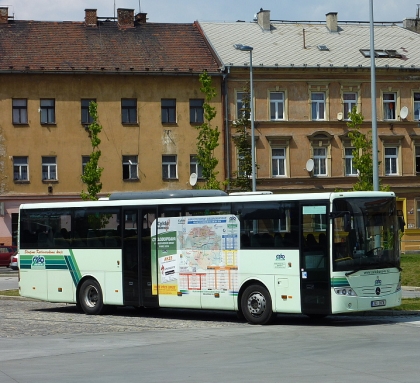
(208, 137)
(92, 172)
(242, 141)
(362, 153)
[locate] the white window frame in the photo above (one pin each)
(280, 160)
(386, 104)
(277, 106)
(130, 167)
(49, 168)
(391, 161)
(169, 167)
(349, 104)
(19, 111)
(20, 168)
(316, 104)
(47, 111)
(195, 167)
(350, 170)
(320, 161)
(416, 105)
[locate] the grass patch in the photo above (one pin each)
(409, 304)
(410, 264)
(10, 293)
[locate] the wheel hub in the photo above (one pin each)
(256, 304)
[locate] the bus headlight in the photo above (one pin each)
(345, 291)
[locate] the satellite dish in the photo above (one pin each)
(404, 112)
(339, 116)
(193, 179)
(309, 165)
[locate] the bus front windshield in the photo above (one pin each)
(365, 234)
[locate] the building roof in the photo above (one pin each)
(34, 46)
(296, 44)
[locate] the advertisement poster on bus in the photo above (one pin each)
(195, 253)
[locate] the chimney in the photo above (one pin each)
(4, 15)
(141, 18)
(91, 18)
(263, 18)
(332, 21)
(413, 24)
(125, 17)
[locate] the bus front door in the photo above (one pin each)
(315, 285)
(137, 274)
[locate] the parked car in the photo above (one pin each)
(14, 261)
(5, 253)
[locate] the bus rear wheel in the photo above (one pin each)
(91, 298)
(256, 305)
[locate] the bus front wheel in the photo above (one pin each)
(256, 305)
(90, 297)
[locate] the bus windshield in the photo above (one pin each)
(365, 234)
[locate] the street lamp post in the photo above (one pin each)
(247, 48)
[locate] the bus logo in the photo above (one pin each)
(38, 261)
(378, 282)
(280, 257)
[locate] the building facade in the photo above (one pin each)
(306, 78)
(144, 78)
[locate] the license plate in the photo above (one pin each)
(382, 302)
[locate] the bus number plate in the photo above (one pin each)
(382, 302)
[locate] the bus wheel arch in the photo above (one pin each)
(255, 303)
(90, 296)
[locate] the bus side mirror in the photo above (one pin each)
(401, 222)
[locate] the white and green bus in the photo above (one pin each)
(255, 253)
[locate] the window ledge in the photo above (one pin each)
(49, 124)
(170, 179)
(132, 180)
(50, 181)
(21, 124)
(21, 181)
(166, 124)
(130, 123)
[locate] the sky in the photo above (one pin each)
(187, 11)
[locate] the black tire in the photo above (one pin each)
(256, 305)
(91, 298)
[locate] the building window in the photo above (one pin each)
(278, 162)
(417, 106)
(318, 105)
(350, 169)
(49, 168)
(130, 168)
(196, 111)
(20, 169)
(169, 170)
(195, 167)
(320, 161)
(276, 106)
(391, 161)
(85, 160)
(129, 110)
(417, 159)
(20, 111)
(86, 119)
(390, 102)
(418, 213)
(242, 105)
(47, 111)
(349, 101)
(168, 108)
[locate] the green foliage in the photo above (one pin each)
(208, 137)
(362, 153)
(92, 173)
(242, 141)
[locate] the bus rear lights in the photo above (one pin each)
(345, 291)
(398, 287)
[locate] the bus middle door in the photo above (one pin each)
(315, 285)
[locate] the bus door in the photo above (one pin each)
(137, 274)
(314, 259)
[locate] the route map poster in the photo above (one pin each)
(195, 253)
